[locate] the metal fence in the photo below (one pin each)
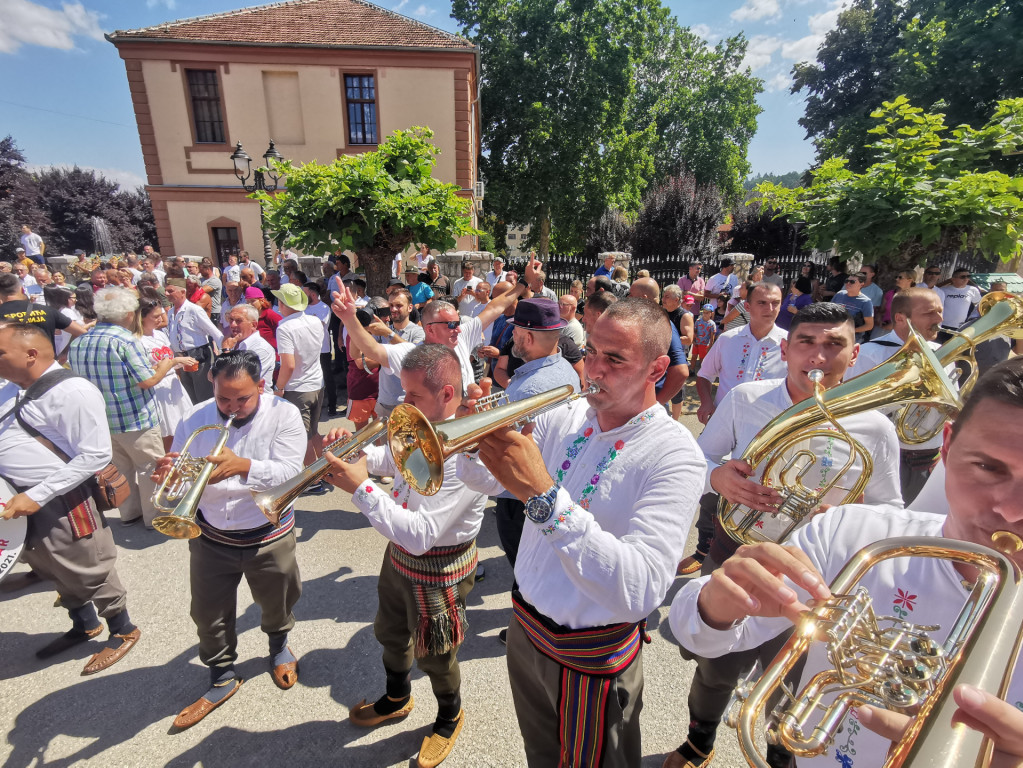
(562, 269)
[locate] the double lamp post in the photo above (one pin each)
(243, 170)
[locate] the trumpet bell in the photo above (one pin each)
(177, 526)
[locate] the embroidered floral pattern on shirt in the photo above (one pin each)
(903, 603)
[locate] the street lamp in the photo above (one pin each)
(243, 169)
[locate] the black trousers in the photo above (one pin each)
(197, 383)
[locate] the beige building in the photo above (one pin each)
(321, 78)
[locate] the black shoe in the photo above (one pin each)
(503, 636)
(318, 489)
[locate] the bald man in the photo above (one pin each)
(567, 306)
(678, 370)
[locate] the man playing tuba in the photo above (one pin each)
(821, 337)
(265, 446)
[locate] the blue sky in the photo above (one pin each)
(64, 95)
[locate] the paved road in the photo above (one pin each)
(122, 717)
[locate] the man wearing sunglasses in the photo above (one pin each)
(860, 307)
(960, 299)
(932, 275)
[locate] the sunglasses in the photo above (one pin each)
(962, 277)
(932, 273)
(451, 324)
(851, 280)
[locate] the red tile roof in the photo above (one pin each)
(315, 23)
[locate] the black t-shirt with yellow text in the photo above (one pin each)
(25, 311)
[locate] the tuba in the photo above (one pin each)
(1000, 313)
(274, 502)
(178, 504)
(420, 448)
(912, 375)
(888, 663)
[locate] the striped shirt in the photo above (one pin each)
(113, 359)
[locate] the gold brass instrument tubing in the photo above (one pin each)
(178, 505)
(913, 374)
(891, 664)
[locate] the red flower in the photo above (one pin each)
(904, 599)
(588, 431)
(619, 445)
(369, 489)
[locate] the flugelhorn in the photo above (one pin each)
(420, 447)
(1000, 314)
(913, 374)
(886, 662)
(274, 502)
(178, 504)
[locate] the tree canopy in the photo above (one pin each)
(679, 218)
(375, 204)
(931, 189)
(584, 103)
(59, 203)
(957, 57)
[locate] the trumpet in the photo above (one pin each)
(886, 662)
(1000, 313)
(912, 375)
(178, 504)
(274, 502)
(421, 447)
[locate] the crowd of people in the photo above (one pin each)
(594, 500)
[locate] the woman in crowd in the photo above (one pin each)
(62, 300)
(737, 315)
(800, 294)
(84, 298)
(903, 280)
(59, 279)
(198, 296)
(268, 319)
(620, 278)
(171, 399)
(809, 271)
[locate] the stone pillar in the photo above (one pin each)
(743, 264)
(621, 260)
(451, 263)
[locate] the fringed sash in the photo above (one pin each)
(590, 660)
(435, 575)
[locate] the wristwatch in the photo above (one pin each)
(540, 508)
(522, 281)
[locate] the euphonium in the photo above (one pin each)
(275, 501)
(1000, 313)
(888, 663)
(913, 374)
(419, 447)
(178, 505)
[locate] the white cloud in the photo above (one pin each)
(23, 22)
(779, 82)
(754, 10)
(702, 31)
(400, 6)
(169, 3)
(760, 50)
(423, 11)
(805, 48)
(127, 179)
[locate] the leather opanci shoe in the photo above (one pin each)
(363, 713)
(193, 713)
(677, 760)
(285, 675)
(436, 748)
(69, 639)
(110, 656)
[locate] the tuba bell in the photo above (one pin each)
(888, 663)
(179, 493)
(1000, 313)
(911, 375)
(420, 447)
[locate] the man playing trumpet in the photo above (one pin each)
(821, 337)
(430, 564)
(762, 589)
(265, 447)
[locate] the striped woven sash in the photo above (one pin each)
(590, 661)
(253, 537)
(441, 623)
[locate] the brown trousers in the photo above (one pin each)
(83, 570)
(216, 570)
(395, 624)
(135, 454)
(536, 687)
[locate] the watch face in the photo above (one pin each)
(539, 509)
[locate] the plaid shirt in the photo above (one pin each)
(115, 361)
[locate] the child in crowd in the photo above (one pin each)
(704, 333)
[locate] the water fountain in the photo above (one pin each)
(101, 240)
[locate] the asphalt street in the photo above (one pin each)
(122, 717)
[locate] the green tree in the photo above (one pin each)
(556, 87)
(703, 102)
(375, 204)
(611, 232)
(855, 70)
(790, 179)
(931, 191)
